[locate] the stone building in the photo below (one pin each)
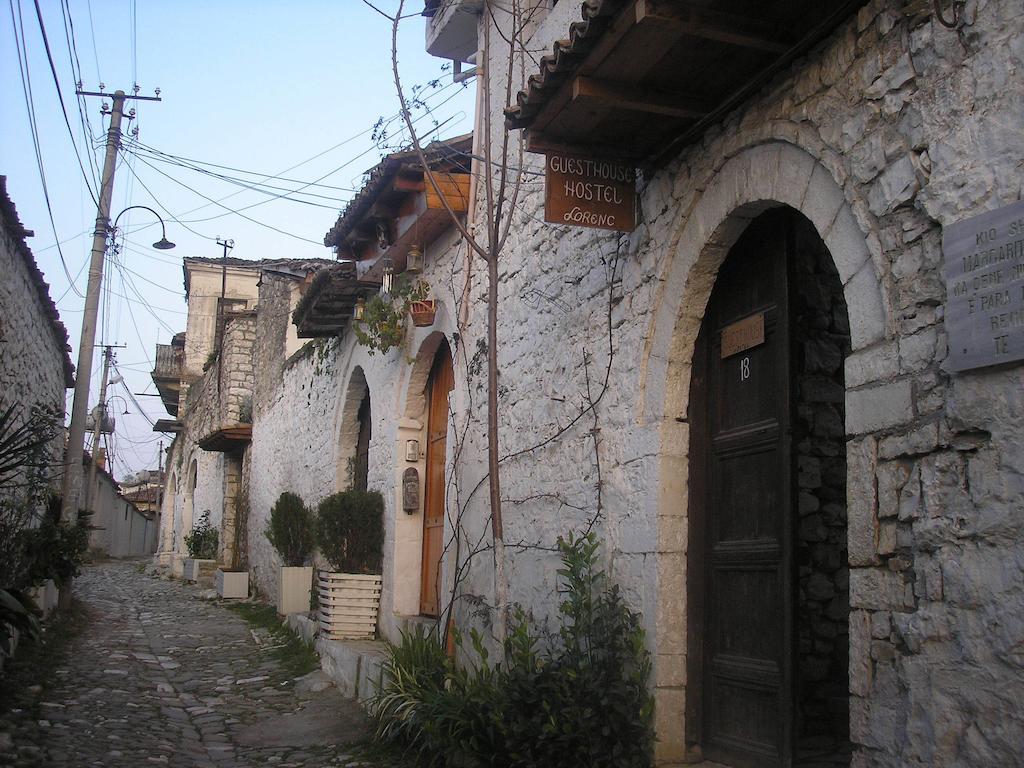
(205, 378)
(808, 451)
(35, 365)
(799, 446)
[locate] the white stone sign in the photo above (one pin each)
(984, 271)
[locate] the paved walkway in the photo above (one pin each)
(159, 677)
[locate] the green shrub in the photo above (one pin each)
(201, 541)
(582, 702)
(57, 551)
(350, 531)
(290, 529)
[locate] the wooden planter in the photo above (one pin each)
(233, 585)
(195, 569)
(293, 586)
(422, 312)
(348, 605)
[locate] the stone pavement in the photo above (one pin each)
(160, 677)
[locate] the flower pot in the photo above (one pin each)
(196, 569)
(422, 312)
(349, 603)
(232, 585)
(293, 586)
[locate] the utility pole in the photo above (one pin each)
(72, 481)
(97, 428)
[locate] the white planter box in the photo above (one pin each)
(194, 569)
(232, 585)
(348, 605)
(293, 586)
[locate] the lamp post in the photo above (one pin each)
(72, 481)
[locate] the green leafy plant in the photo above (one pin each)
(383, 323)
(290, 529)
(581, 701)
(57, 549)
(201, 541)
(18, 615)
(350, 531)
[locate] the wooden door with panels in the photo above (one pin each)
(740, 570)
(440, 384)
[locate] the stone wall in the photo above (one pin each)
(35, 369)
(889, 130)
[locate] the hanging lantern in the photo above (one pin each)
(414, 260)
(388, 277)
(359, 309)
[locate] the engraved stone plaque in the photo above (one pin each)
(984, 272)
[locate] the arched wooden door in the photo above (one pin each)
(740, 568)
(442, 381)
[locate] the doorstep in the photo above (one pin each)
(355, 666)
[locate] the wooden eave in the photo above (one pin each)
(327, 307)
(168, 387)
(172, 426)
(639, 79)
(227, 439)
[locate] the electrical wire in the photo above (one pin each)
(63, 108)
(26, 87)
(76, 71)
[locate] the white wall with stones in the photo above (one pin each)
(33, 342)
(886, 132)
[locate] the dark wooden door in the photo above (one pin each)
(442, 380)
(743, 505)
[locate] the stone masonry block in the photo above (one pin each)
(861, 502)
(860, 653)
(880, 590)
(876, 363)
(875, 408)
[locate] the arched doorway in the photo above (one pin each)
(440, 383)
(767, 581)
(188, 505)
(355, 433)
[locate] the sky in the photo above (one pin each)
(282, 96)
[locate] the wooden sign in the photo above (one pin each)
(742, 335)
(585, 192)
(984, 271)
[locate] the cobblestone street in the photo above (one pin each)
(160, 677)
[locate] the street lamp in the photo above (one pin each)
(163, 244)
(72, 481)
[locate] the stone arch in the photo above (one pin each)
(415, 392)
(188, 502)
(356, 390)
(754, 180)
(408, 524)
(167, 511)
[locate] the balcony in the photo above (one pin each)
(219, 404)
(167, 372)
(451, 31)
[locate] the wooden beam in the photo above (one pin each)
(404, 184)
(541, 144)
(722, 27)
(619, 97)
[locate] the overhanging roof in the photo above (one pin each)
(326, 305)
(636, 79)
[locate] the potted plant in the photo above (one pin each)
(201, 543)
(350, 535)
(383, 319)
(422, 312)
(290, 532)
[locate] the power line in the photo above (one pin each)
(63, 108)
(26, 87)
